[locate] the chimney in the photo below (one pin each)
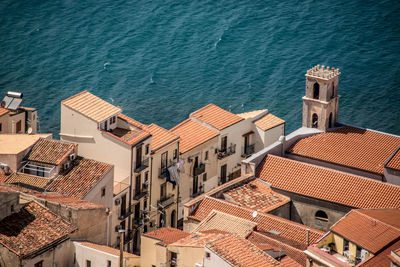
(308, 237)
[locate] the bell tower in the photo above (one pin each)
(321, 102)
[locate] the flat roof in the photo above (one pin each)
(15, 143)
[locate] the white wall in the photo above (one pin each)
(97, 258)
(214, 260)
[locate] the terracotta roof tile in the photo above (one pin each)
(3, 176)
(50, 151)
(216, 117)
(349, 146)
(289, 262)
(268, 121)
(3, 111)
(33, 227)
(167, 235)
(109, 250)
(217, 220)
(327, 184)
(293, 252)
(161, 137)
(199, 239)
(27, 179)
(77, 182)
(394, 161)
(251, 114)
(382, 226)
(91, 106)
(192, 134)
(257, 196)
(382, 259)
(240, 252)
(265, 222)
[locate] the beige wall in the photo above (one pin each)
(187, 256)
(272, 135)
(214, 260)
(151, 253)
(8, 199)
(94, 195)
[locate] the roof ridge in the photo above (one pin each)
(368, 216)
(84, 91)
(182, 123)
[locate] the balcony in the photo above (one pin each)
(223, 153)
(165, 202)
(247, 151)
(139, 194)
(199, 170)
(123, 214)
(143, 164)
(162, 172)
(137, 222)
(198, 193)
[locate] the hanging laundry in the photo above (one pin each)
(168, 175)
(174, 174)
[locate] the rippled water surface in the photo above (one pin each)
(161, 60)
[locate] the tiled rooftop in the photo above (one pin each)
(370, 229)
(327, 184)
(240, 252)
(3, 176)
(225, 222)
(382, 259)
(268, 121)
(27, 179)
(251, 114)
(257, 196)
(108, 250)
(161, 137)
(129, 136)
(199, 239)
(80, 179)
(167, 235)
(265, 222)
(216, 117)
(50, 151)
(349, 146)
(192, 134)
(394, 161)
(91, 106)
(3, 111)
(33, 227)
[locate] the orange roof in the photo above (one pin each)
(238, 251)
(192, 134)
(161, 137)
(371, 229)
(382, 259)
(257, 196)
(34, 227)
(91, 106)
(50, 151)
(167, 235)
(27, 179)
(3, 176)
(293, 252)
(77, 182)
(349, 146)
(198, 239)
(265, 222)
(394, 161)
(268, 121)
(3, 111)
(327, 184)
(216, 117)
(109, 250)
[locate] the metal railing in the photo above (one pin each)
(199, 170)
(223, 153)
(162, 172)
(166, 201)
(139, 194)
(143, 164)
(247, 150)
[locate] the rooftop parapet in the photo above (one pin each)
(322, 72)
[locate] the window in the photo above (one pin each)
(175, 153)
(0, 127)
(330, 121)
(173, 259)
(145, 204)
(103, 192)
(204, 177)
(19, 127)
(111, 120)
(173, 215)
(12, 208)
(164, 160)
(206, 156)
(108, 263)
(224, 143)
(314, 121)
(163, 190)
(146, 176)
(39, 264)
(316, 91)
(88, 263)
(321, 215)
(208, 254)
(147, 149)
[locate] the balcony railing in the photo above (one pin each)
(143, 164)
(223, 153)
(247, 150)
(124, 214)
(199, 170)
(166, 201)
(198, 193)
(139, 194)
(162, 172)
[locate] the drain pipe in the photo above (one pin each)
(308, 237)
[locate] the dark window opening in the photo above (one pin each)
(330, 121)
(19, 127)
(316, 91)
(39, 264)
(206, 156)
(223, 174)
(173, 259)
(147, 149)
(173, 218)
(321, 215)
(108, 263)
(0, 127)
(175, 153)
(88, 263)
(103, 192)
(314, 121)
(224, 143)
(204, 177)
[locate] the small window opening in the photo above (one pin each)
(321, 215)
(316, 91)
(314, 121)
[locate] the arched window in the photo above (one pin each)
(314, 121)
(330, 121)
(173, 218)
(333, 90)
(316, 91)
(321, 215)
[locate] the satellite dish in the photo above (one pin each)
(30, 130)
(255, 213)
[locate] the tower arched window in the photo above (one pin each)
(314, 121)
(330, 121)
(321, 215)
(333, 90)
(316, 90)
(173, 218)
